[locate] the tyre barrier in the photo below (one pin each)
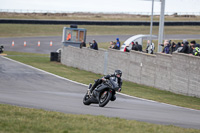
(79, 22)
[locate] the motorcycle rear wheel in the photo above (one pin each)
(104, 98)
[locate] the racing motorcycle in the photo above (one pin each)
(102, 94)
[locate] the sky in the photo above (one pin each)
(107, 6)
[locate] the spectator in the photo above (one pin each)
(118, 44)
(166, 46)
(112, 44)
(150, 47)
(139, 47)
(195, 44)
(173, 47)
(94, 45)
(195, 50)
(126, 49)
(82, 44)
(191, 47)
(185, 48)
(184, 41)
(177, 46)
(134, 46)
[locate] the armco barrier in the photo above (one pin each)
(178, 73)
(81, 22)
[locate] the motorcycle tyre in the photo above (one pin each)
(86, 101)
(106, 101)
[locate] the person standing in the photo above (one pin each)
(118, 44)
(173, 47)
(185, 48)
(166, 46)
(150, 47)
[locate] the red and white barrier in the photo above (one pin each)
(38, 43)
(51, 43)
(24, 43)
(13, 43)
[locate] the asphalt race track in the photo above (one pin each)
(45, 42)
(29, 87)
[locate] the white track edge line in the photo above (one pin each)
(87, 85)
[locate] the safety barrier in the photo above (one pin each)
(146, 23)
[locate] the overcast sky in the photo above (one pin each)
(125, 6)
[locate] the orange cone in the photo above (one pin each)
(13, 43)
(38, 43)
(51, 43)
(24, 43)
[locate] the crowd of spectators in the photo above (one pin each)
(92, 45)
(169, 47)
(191, 48)
(115, 45)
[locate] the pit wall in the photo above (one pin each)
(178, 73)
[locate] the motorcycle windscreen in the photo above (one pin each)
(114, 82)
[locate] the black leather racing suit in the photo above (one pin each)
(99, 81)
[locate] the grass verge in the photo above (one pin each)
(24, 120)
(85, 77)
(22, 30)
(96, 16)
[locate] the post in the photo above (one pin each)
(161, 25)
(151, 28)
(105, 62)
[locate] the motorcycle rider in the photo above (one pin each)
(116, 76)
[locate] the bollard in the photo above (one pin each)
(13, 43)
(24, 43)
(38, 43)
(51, 43)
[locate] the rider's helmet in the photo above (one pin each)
(118, 72)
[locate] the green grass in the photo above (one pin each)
(96, 16)
(24, 120)
(22, 30)
(85, 77)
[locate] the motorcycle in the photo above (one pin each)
(1, 49)
(102, 94)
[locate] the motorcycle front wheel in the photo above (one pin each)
(104, 98)
(86, 99)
